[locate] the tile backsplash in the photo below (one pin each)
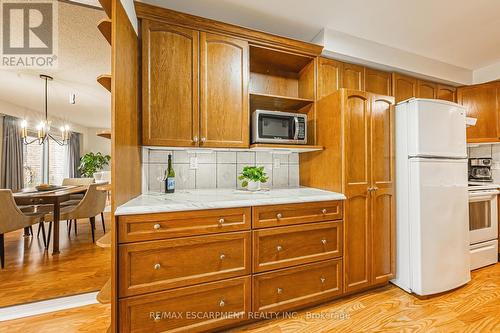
(492, 151)
(216, 168)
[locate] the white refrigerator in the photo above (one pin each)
(432, 209)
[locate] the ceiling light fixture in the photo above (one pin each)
(43, 128)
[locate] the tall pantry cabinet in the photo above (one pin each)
(360, 134)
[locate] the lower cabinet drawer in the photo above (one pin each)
(289, 246)
(159, 265)
(291, 288)
(191, 309)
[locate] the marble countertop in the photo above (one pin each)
(221, 198)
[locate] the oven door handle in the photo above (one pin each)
(483, 195)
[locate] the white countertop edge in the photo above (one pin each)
(190, 206)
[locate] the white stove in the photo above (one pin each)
(483, 223)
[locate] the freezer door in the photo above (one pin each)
(436, 128)
(439, 225)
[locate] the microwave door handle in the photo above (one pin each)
(295, 128)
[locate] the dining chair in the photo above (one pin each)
(92, 204)
(74, 199)
(12, 218)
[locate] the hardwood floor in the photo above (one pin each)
(32, 274)
(91, 318)
(473, 308)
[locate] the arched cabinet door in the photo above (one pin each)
(329, 76)
(403, 87)
(383, 214)
(224, 118)
(357, 181)
(170, 114)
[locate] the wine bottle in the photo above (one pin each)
(170, 177)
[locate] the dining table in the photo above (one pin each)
(33, 197)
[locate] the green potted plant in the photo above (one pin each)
(252, 177)
(91, 163)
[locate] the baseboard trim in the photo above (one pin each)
(37, 308)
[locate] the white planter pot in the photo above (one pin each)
(97, 175)
(253, 186)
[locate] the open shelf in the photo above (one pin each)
(263, 60)
(105, 81)
(278, 103)
(291, 148)
(104, 27)
(105, 134)
(106, 5)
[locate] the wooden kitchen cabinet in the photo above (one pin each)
(177, 64)
(170, 114)
(329, 76)
(447, 93)
(223, 91)
(403, 87)
(353, 76)
(481, 102)
(378, 82)
(426, 89)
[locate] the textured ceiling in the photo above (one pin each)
(83, 55)
(462, 33)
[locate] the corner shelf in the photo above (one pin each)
(106, 5)
(278, 103)
(105, 81)
(291, 148)
(105, 134)
(104, 27)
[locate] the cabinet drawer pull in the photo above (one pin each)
(157, 266)
(221, 221)
(324, 211)
(279, 248)
(279, 216)
(322, 279)
(203, 140)
(279, 290)
(157, 226)
(222, 303)
(323, 241)
(195, 139)
(222, 256)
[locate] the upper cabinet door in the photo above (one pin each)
(329, 76)
(447, 93)
(481, 103)
(223, 91)
(426, 89)
(378, 82)
(353, 77)
(383, 200)
(403, 87)
(170, 114)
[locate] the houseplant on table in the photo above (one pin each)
(252, 177)
(91, 163)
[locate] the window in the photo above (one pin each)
(44, 163)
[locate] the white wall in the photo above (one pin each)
(486, 74)
(90, 141)
(349, 48)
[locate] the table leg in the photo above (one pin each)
(55, 242)
(27, 232)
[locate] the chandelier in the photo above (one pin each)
(43, 128)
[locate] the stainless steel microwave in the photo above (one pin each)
(279, 127)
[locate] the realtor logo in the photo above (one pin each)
(29, 33)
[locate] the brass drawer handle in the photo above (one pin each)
(157, 266)
(323, 241)
(222, 303)
(157, 226)
(221, 221)
(279, 248)
(324, 211)
(279, 216)
(222, 256)
(322, 279)
(279, 290)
